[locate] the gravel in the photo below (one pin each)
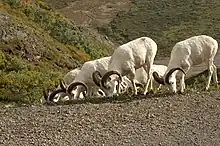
(159, 119)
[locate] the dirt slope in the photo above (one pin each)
(90, 13)
(159, 120)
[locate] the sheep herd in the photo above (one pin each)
(132, 66)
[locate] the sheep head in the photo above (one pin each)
(170, 78)
(108, 90)
(50, 95)
(108, 84)
(73, 85)
(58, 92)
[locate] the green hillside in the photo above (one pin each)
(37, 47)
(167, 21)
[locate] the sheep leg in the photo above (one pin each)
(147, 69)
(131, 76)
(134, 87)
(211, 69)
(159, 87)
(182, 83)
(122, 87)
(215, 78)
(118, 88)
(151, 84)
(186, 66)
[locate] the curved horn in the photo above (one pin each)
(107, 75)
(74, 84)
(171, 71)
(96, 76)
(62, 85)
(54, 93)
(45, 93)
(158, 78)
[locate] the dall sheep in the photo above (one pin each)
(141, 78)
(59, 92)
(126, 59)
(185, 54)
(88, 80)
(141, 75)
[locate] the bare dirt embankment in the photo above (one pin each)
(87, 13)
(191, 119)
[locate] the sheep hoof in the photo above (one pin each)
(180, 92)
(147, 93)
(206, 88)
(151, 92)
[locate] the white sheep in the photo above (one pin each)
(126, 59)
(141, 78)
(59, 92)
(85, 80)
(141, 75)
(185, 54)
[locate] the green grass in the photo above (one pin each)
(167, 22)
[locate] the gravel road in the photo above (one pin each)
(190, 119)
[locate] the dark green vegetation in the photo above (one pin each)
(167, 22)
(37, 47)
(198, 82)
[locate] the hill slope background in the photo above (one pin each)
(167, 22)
(41, 40)
(38, 46)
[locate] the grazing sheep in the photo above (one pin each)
(126, 59)
(185, 54)
(141, 75)
(59, 92)
(84, 81)
(141, 78)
